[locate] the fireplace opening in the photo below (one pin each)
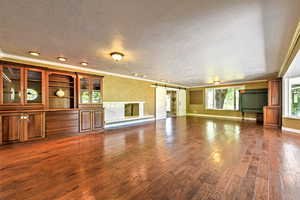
(132, 110)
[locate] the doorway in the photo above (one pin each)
(171, 103)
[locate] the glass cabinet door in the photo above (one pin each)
(84, 91)
(96, 91)
(11, 85)
(34, 87)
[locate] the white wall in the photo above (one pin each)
(160, 102)
(181, 103)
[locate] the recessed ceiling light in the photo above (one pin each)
(62, 59)
(84, 63)
(117, 56)
(34, 53)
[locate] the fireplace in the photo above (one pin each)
(131, 109)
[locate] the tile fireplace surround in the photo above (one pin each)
(115, 112)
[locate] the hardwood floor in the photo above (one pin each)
(178, 158)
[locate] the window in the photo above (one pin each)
(294, 97)
(222, 98)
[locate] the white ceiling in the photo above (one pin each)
(188, 42)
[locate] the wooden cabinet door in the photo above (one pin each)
(85, 120)
(272, 116)
(98, 117)
(11, 128)
(34, 127)
(274, 92)
(12, 85)
(34, 86)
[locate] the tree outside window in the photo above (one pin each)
(222, 98)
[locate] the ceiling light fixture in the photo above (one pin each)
(84, 63)
(117, 56)
(34, 53)
(217, 82)
(62, 59)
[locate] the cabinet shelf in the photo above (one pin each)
(61, 86)
(69, 82)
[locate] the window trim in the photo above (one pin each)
(241, 87)
(287, 104)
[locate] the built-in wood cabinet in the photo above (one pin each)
(272, 116)
(272, 112)
(98, 120)
(90, 101)
(20, 127)
(37, 102)
(90, 90)
(91, 120)
(274, 92)
(21, 87)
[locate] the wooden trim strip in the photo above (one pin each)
(292, 52)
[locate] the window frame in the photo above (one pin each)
(236, 103)
(288, 97)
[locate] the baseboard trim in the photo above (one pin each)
(117, 124)
(220, 116)
(290, 130)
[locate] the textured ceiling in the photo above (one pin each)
(187, 42)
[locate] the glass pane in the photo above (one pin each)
(84, 90)
(209, 98)
(96, 93)
(229, 99)
(11, 85)
(295, 96)
(34, 87)
(220, 97)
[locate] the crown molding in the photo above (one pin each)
(15, 58)
(229, 83)
(292, 52)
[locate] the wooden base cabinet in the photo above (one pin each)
(272, 116)
(20, 127)
(272, 112)
(91, 120)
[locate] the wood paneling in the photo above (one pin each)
(207, 159)
(196, 97)
(62, 122)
